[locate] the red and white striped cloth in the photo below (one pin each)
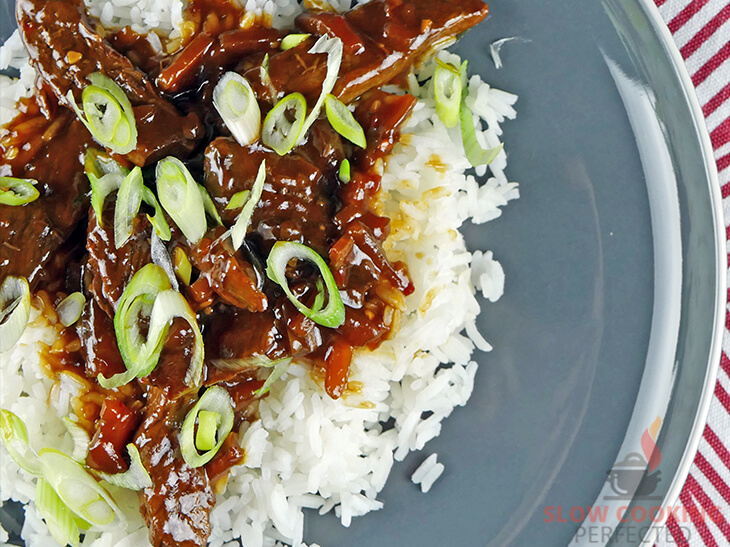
(701, 30)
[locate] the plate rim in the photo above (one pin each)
(679, 478)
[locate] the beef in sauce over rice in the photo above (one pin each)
(177, 317)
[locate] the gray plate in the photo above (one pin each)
(614, 300)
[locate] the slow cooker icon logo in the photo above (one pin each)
(636, 476)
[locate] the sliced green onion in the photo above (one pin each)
(129, 198)
(248, 363)
(209, 206)
(181, 197)
(215, 399)
(169, 305)
(134, 478)
(161, 257)
(280, 368)
(238, 199)
(266, 77)
(447, 89)
(472, 149)
(107, 114)
(332, 315)
(149, 294)
(105, 176)
(59, 518)
(343, 121)
(99, 163)
(138, 298)
(344, 172)
(284, 124)
(80, 438)
(181, 265)
(158, 220)
(15, 439)
(333, 48)
(70, 308)
(236, 103)
(14, 310)
(14, 191)
(208, 423)
(101, 187)
(78, 490)
(293, 40)
(238, 231)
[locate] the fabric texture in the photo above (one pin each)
(701, 30)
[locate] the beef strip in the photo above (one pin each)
(229, 276)
(177, 506)
(381, 39)
(48, 147)
(297, 201)
(65, 48)
(109, 269)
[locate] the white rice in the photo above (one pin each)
(307, 450)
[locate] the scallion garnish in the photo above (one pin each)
(181, 197)
(135, 477)
(59, 518)
(14, 310)
(78, 490)
(238, 199)
(209, 206)
(292, 40)
(158, 220)
(70, 308)
(472, 149)
(15, 438)
(333, 314)
(333, 48)
(266, 77)
(80, 438)
(181, 265)
(149, 294)
(129, 198)
(161, 257)
(447, 89)
(238, 231)
(208, 422)
(215, 400)
(107, 114)
(15, 191)
(343, 121)
(344, 171)
(284, 123)
(236, 103)
(280, 367)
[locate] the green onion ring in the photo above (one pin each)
(15, 191)
(14, 310)
(215, 399)
(342, 120)
(107, 114)
(284, 124)
(238, 231)
(235, 101)
(180, 195)
(332, 315)
(293, 40)
(447, 90)
(70, 308)
(472, 149)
